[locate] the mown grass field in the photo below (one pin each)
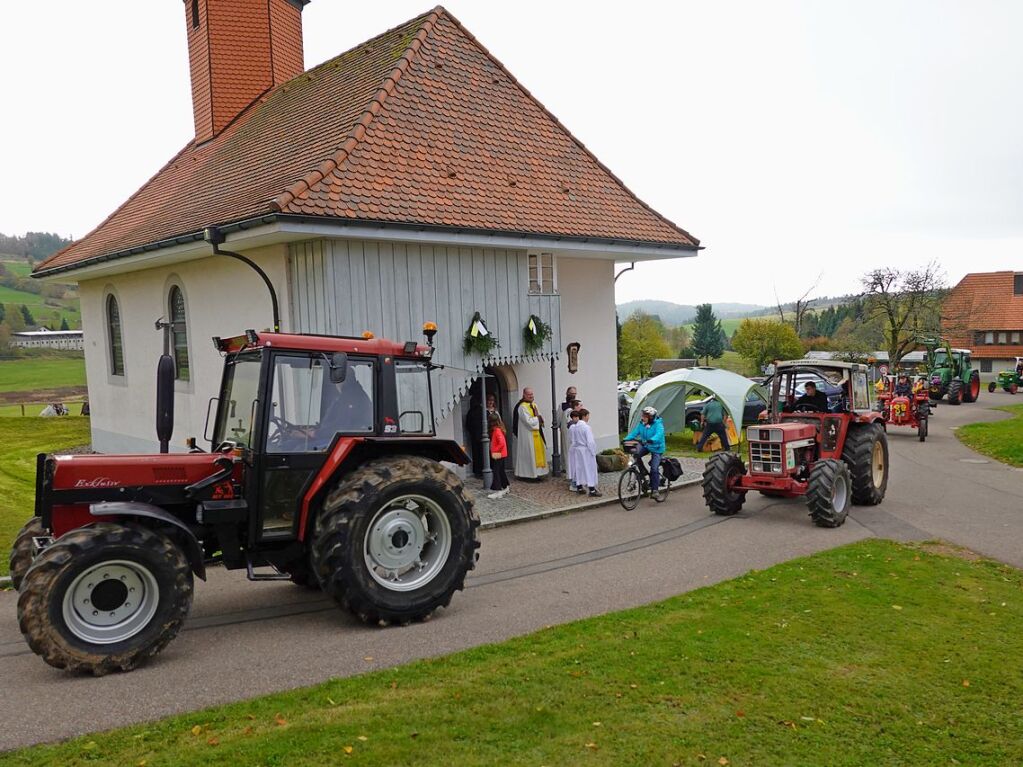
(20, 440)
(1002, 440)
(28, 374)
(871, 654)
(42, 312)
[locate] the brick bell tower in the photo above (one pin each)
(237, 50)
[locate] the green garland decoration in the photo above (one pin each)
(535, 333)
(478, 337)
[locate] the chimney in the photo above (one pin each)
(237, 50)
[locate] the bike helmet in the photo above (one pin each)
(652, 412)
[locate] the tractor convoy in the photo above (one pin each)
(324, 469)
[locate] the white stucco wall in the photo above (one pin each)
(587, 316)
(223, 297)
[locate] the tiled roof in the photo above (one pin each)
(420, 125)
(982, 302)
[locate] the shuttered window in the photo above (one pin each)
(179, 332)
(114, 334)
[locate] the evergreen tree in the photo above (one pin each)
(707, 333)
(27, 316)
(64, 325)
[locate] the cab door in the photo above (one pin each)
(304, 415)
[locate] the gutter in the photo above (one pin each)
(434, 232)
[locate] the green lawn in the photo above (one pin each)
(34, 373)
(1002, 440)
(871, 654)
(20, 440)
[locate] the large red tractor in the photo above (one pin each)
(830, 450)
(324, 469)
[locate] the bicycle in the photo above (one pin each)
(634, 482)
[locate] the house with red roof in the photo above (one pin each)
(409, 179)
(984, 312)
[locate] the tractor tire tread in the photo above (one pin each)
(715, 484)
(819, 493)
(43, 578)
(21, 551)
(857, 454)
(355, 495)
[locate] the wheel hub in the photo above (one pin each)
(110, 602)
(407, 543)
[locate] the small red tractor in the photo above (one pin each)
(832, 451)
(324, 469)
(900, 408)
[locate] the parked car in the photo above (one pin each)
(752, 408)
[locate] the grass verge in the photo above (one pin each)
(874, 653)
(1002, 440)
(20, 440)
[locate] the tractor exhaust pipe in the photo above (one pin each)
(165, 375)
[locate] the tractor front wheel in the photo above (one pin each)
(866, 454)
(1013, 388)
(104, 597)
(955, 392)
(921, 429)
(395, 540)
(719, 477)
(828, 493)
(23, 550)
(991, 387)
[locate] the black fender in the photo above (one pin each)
(193, 550)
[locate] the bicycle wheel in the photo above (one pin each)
(629, 489)
(662, 491)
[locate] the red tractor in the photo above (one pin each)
(900, 407)
(324, 469)
(829, 448)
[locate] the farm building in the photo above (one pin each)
(48, 339)
(409, 179)
(984, 312)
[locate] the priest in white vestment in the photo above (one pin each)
(530, 447)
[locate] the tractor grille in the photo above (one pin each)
(766, 457)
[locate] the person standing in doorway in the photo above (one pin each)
(492, 409)
(530, 447)
(713, 418)
(498, 456)
(582, 455)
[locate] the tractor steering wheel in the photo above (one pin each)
(806, 407)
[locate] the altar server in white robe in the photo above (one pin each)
(582, 455)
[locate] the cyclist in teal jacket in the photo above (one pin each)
(649, 432)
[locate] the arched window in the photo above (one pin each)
(114, 332)
(179, 332)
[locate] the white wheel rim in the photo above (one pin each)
(877, 464)
(839, 493)
(111, 602)
(407, 543)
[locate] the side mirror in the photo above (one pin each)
(338, 367)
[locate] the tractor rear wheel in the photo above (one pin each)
(721, 473)
(991, 387)
(866, 454)
(395, 540)
(104, 597)
(828, 493)
(971, 389)
(955, 391)
(1013, 388)
(23, 550)
(921, 429)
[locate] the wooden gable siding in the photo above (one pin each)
(345, 287)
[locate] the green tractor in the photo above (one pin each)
(950, 372)
(1009, 380)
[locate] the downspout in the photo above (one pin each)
(214, 237)
(629, 268)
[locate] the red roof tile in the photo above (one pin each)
(420, 125)
(984, 302)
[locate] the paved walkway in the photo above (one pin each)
(545, 498)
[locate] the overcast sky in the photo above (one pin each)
(792, 138)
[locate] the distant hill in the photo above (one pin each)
(681, 314)
(33, 246)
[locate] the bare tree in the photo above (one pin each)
(801, 305)
(906, 304)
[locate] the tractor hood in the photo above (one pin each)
(98, 472)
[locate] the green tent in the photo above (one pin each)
(668, 392)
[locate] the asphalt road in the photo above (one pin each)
(244, 639)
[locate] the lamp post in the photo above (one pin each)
(488, 472)
(555, 431)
